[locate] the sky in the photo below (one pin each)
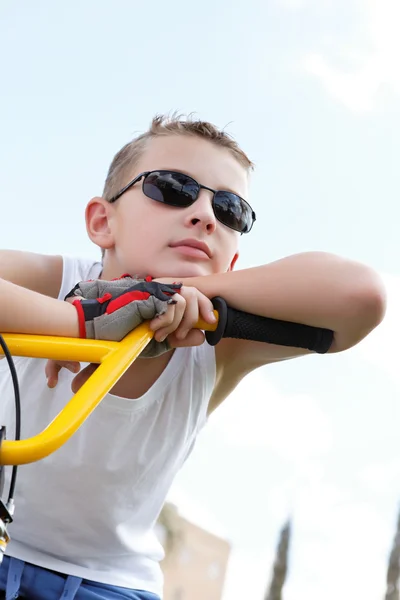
(310, 89)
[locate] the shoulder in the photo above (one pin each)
(76, 269)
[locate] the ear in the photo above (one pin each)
(97, 216)
(233, 262)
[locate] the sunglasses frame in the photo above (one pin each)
(201, 187)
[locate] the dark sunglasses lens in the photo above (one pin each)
(174, 189)
(233, 212)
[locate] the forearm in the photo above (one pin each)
(313, 288)
(25, 311)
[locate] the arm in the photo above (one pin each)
(29, 285)
(312, 288)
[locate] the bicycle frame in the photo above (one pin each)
(114, 358)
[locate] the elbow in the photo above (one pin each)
(380, 301)
(372, 300)
(364, 310)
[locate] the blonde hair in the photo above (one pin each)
(120, 170)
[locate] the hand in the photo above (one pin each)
(109, 310)
(53, 367)
(178, 322)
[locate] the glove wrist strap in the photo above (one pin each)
(81, 318)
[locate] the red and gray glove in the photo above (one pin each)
(109, 310)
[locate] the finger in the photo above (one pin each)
(50, 368)
(53, 367)
(51, 371)
(206, 309)
(82, 377)
(73, 366)
(163, 320)
(72, 299)
(190, 317)
(195, 337)
(179, 311)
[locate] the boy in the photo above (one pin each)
(85, 515)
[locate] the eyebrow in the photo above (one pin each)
(184, 172)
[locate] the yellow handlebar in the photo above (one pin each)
(114, 359)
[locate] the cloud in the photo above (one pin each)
(339, 549)
(346, 547)
(292, 426)
(368, 61)
(196, 511)
(342, 532)
(247, 575)
(258, 426)
(356, 90)
(259, 420)
(381, 475)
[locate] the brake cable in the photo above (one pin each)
(7, 509)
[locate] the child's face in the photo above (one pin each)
(142, 234)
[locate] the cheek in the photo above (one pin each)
(142, 232)
(133, 220)
(228, 258)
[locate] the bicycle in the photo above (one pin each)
(114, 358)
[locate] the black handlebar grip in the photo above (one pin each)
(245, 326)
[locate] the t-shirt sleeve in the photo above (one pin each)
(76, 270)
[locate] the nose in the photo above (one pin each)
(201, 213)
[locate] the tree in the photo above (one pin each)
(393, 571)
(281, 563)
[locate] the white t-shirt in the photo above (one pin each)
(90, 508)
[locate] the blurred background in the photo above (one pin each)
(310, 89)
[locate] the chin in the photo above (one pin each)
(183, 270)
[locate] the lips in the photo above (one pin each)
(191, 243)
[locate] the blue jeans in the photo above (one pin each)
(23, 580)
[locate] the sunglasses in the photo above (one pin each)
(181, 191)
